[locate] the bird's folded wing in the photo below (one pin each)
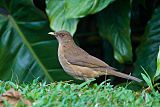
(82, 58)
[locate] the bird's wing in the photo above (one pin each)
(82, 58)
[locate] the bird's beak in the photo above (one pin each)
(52, 33)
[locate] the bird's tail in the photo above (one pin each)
(111, 71)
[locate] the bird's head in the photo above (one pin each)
(62, 36)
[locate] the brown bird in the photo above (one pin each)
(79, 64)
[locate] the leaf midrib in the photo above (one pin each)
(29, 47)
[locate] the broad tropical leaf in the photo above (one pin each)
(64, 14)
(26, 49)
(148, 50)
(114, 26)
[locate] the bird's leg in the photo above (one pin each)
(105, 77)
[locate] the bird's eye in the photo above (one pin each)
(62, 35)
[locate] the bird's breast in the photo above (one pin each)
(63, 61)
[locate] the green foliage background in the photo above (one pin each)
(123, 33)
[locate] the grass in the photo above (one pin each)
(64, 94)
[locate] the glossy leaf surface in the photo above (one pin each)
(26, 49)
(64, 14)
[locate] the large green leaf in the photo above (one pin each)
(148, 50)
(26, 49)
(63, 14)
(157, 74)
(114, 25)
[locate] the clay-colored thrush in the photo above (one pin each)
(79, 64)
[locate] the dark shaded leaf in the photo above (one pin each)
(114, 25)
(148, 50)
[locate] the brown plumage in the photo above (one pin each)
(79, 64)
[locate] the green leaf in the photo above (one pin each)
(148, 50)
(26, 49)
(158, 65)
(114, 25)
(64, 14)
(147, 80)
